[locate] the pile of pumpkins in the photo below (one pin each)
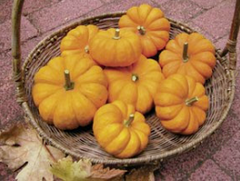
(106, 76)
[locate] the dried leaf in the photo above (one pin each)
(22, 146)
(145, 173)
(68, 170)
(83, 170)
(99, 172)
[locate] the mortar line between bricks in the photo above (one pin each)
(156, 4)
(72, 20)
(226, 171)
(204, 11)
(199, 13)
(21, 44)
(197, 166)
(103, 2)
(6, 51)
(207, 9)
(51, 4)
(32, 23)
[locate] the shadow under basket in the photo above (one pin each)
(81, 142)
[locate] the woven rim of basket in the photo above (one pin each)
(155, 159)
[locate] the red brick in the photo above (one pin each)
(225, 132)
(209, 171)
(29, 6)
(217, 20)
(207, 4)
(118, 6)
(6, 59)
(5, 13)
(5, 173)
(11, 112)
(108, 1)
(62, 12)
(34, 5)
(200, 30)
(181, 10)
(180, 166)
(29, 45)
(229, 156)
(6, 67)
(27, 31)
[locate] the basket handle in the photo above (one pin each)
(16, 50)
(232, 40)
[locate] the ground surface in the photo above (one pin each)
(218, 158)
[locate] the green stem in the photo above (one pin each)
(128, 122)
(134, 77)
(190, 101)
(185, 52)
(68, 84)
(141, 30)
(117, 34)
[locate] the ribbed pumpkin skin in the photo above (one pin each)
(69, 109)
(124, 86)
(170, 100)
(201, 57)
(110, 52)
(76, 41)
(155, 35)
(112, 134)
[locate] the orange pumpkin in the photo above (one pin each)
(115, 48)
(136, 84)
(150, 25)
(76, 41)
(189, 54)
(181, 104)
(120, 130)
(69, 90)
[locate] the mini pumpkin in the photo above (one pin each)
(150, 25)
(69, 90)
(76, 41)
(115, 48)
(120, 130)
(189, 54)
(136, 84)
(181, 104)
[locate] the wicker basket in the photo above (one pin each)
(81, 142)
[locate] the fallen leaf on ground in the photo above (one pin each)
(145, 173)
(98, 171)
(68, 170)
(21, 146)
(83, 170)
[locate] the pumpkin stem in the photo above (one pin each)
(134, 77)
(128, 122)
(86, 49)
(141, 30)
(68, 84)
(117, 34)
(185, 52)
(190, 101)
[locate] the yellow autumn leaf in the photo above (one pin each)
(83, 170)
